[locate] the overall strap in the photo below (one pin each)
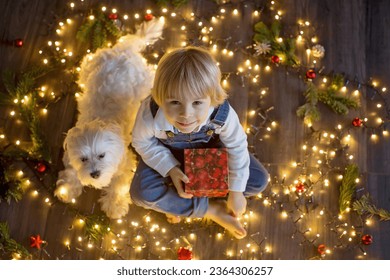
(153, 107)
(219, 116)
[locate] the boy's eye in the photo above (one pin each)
(197, 103)
(174, 102)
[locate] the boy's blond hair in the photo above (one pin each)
(189, 70)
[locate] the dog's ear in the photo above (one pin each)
(70, 135)
(114, 128)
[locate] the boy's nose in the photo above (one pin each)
(186, 111)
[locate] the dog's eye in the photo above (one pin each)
(84, 159)
(101, 156)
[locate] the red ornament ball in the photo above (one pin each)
(321, 249)
(300, 187)
(311, 74)
(18, 43)
(184, 254)
(357, 122)
(275, 59)
(41, 167)
(149, 17)
(367, 239)
(113, 16)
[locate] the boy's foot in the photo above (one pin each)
(218, 212)
(173, 219)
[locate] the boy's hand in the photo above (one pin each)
(236, 203)
(178, 177)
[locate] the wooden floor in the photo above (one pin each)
(357, 43)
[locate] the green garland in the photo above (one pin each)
(284, 49)
(92, 231)
(11, 187)
(348, 187)
(365, 206)
(97, 30)
(24, 89)
(328, 96)
(174, 3)
(10, 246)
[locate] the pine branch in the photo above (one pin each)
(175, 3)
(348, 187)
(96, 31)
(9, 245)
(309, 111)
(284, 48)
(329, 96)
(365, 206)
(96, 226)
(24, 87)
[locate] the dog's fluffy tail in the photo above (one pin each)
(151, 31)
(147, 33)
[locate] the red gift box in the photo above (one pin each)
(207, 171)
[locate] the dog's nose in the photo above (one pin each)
(95, 174)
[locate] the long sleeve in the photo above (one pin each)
(234, 138)
(152, 151)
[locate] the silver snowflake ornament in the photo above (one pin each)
(262, 48)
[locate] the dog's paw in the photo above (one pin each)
(115, 207)
(68, 186)
(66, 192)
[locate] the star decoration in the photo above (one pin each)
(36, 241)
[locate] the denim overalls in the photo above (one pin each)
(152, 191)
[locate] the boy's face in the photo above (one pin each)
(186, 114)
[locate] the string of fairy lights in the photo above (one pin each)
(295, 194)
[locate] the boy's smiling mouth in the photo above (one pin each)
(186, 124)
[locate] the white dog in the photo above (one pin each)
(114, 82)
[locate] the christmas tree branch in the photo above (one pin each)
(328, 96)
(10, 246)
(97, 30)
(348, 187)
(365, 206)
(24, 90)
(285, 48)
(96, 226)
